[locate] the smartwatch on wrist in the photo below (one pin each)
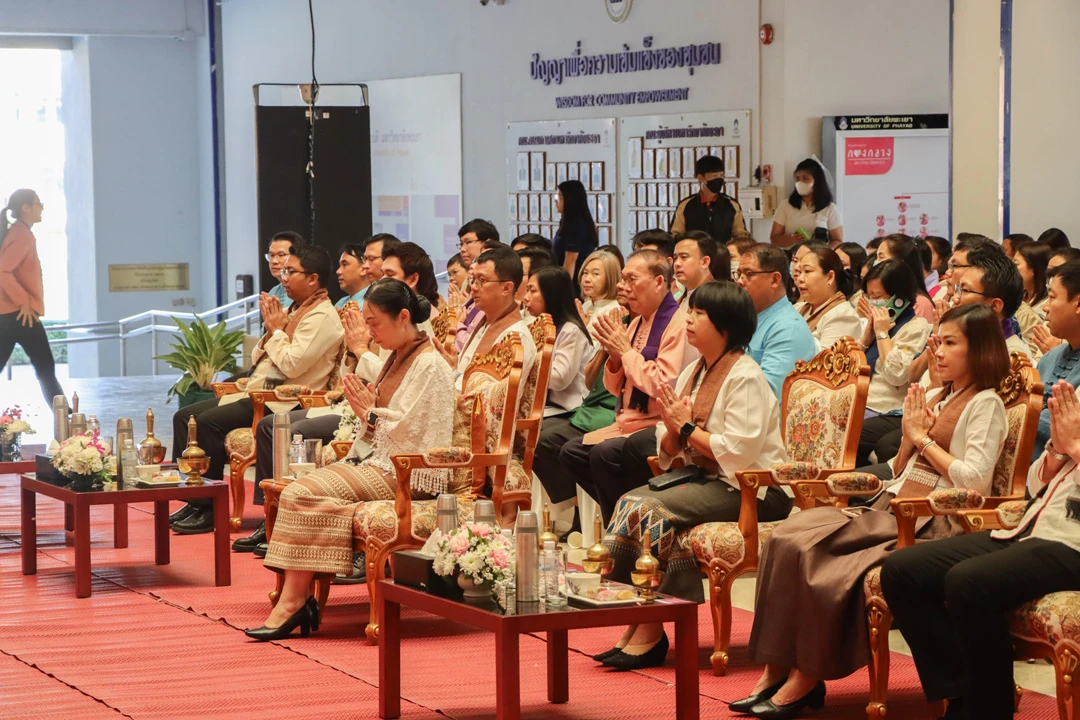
(687, 430)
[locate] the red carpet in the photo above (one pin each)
(163, 642)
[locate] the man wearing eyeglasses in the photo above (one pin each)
(782, 336)
(300, 347)
(280, 245)
(475, 237)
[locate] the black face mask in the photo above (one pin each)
(716, 185)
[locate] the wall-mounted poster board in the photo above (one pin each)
(891, 173)
(656, 163)
(542, 155)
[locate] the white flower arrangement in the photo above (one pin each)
(11, 422)
(346, 429)
(84, 456)
(478, 551)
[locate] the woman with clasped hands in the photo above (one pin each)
(722, 417)
(408, 409)
(809, 621)
(22, 299)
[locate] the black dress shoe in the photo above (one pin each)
(358, 574)
(247, 544)
(183, 513)
(744, 705)
(201, 521)
(768, 710)
(260, 549)
(301, 618)
(653, 657)
(316, 613)
(601, 657)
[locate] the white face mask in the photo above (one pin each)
(804, 188)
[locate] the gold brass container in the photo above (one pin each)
(151, 451)
(646, 574)
(598, 558)
(547, 535)
(193, 462)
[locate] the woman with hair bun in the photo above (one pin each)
(408, 409)
(826, 286)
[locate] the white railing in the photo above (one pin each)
(148, 323)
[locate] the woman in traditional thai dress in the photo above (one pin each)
(722, 417)
(809, 614)
(408, 409)
(825, 287)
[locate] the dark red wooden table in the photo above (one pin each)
(532, 619)
(77, 520)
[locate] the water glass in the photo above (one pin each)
(313, 452)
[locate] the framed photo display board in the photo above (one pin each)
(541, 155)
(656, 163)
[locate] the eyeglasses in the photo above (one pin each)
(468, 242)
(957, 266)
(750, 273)
(275, 256)
(628, 279)
(479, 280)
(368, 259)
(287, 271)
(959, 290)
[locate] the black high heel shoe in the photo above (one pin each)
(768, 710)
(301, 618)
(601, 657)
(653, 657)
(316, 613)
(744, 705)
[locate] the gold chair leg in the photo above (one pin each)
(1066, 662)
(879, 621)
(720, 579)
(237, 468)
(376, 571)
(276, 592)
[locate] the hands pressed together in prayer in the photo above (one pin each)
(1043, 339)
(610, 332)
(918, 418)
(1064, 410)
(357, 335)
(273, 315)
(674, 410)
(361, 397)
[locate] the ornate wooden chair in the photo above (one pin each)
(483, 435)
(240, 443)
(1046, 627)
(821, 418)
(517, 493)
(1022, 394)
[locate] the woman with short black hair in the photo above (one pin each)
(722, 417)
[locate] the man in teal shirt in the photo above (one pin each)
(351, 276)
(782, 336)
(278, 255)
(1063, 362)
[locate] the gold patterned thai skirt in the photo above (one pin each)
(314, 526)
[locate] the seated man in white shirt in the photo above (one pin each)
(496, 276)
(300, 347)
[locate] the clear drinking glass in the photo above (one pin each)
(313, 452)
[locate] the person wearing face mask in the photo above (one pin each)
(810, 207)
(710, 210)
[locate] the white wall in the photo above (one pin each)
(1045, 105)
(830, 56)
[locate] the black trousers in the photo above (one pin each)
(214, 422)
(950, 597)
(555, 432)
(36, 344)
(318, 428)
(608, 470)
(880, 435)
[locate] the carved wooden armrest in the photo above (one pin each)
(654, 464)
(333, 396)
(221, 389)
(835, 487)
(947, 501)
(341, 448)
(291, 391)
(750, 482)
(1006, 516)
(995, 501)
(313, 401)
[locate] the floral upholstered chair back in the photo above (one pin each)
(1022, 394)
(489, 383)
(534, 392)
(822, 399)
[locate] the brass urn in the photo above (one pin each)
(151, 451)
(547, 535)
(646, 574)
(598, 557)
(193, 462)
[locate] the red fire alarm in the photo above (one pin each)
(766, 34)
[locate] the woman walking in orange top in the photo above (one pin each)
(22, 300)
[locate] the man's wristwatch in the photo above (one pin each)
(687, 430)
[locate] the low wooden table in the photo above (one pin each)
(77, 519)
(529, 619)
(26, 461)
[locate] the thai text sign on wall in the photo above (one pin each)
(149, 277)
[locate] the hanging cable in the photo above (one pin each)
(312, 97)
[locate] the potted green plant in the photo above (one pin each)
(201, 352)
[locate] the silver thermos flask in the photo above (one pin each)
(282, 437)
(446, 513)
(124, 431)
(527, 537)
(78, 423)
(61, 426)
(484, 512)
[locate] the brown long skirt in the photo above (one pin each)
(314, 526)
(809, 612)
